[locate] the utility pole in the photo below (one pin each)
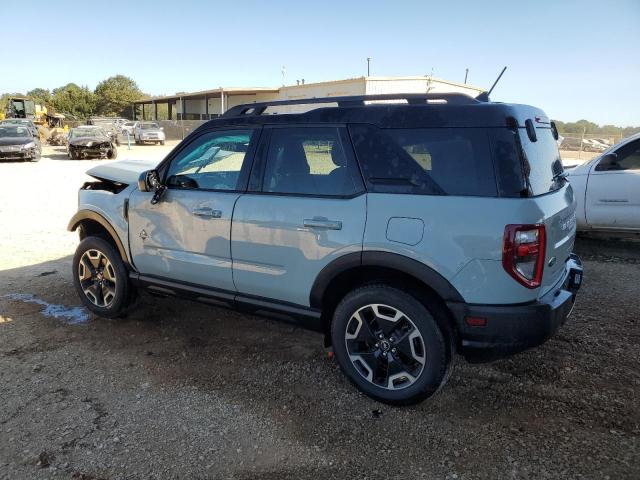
(466, 74)
(368, 66)
(284, 70)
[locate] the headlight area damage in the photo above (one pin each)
(92, 148)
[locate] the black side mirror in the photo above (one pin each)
(608, 162)
(149, 181)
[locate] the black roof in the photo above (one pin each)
(419, 110)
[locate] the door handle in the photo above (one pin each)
(206, 212)
(322, 223)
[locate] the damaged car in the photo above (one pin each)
(17, 142)
(90, 142)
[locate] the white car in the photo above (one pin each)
(148, 132)
(607, 189)
(128, 127)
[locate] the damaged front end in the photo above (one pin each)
(92, 149)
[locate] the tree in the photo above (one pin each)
(74, 100)
(41, 96)
(116, 94)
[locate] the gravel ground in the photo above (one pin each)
(182, 390)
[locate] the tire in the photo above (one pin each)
(36, 157)
(72, 155)
(112, 154)
(411, 361)
(162, 142)
(111, 298)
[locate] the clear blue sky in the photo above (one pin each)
(575, 59)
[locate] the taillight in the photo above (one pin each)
(523, 253)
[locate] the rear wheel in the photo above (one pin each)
(389, 345)
(112, 154)
(100, 277)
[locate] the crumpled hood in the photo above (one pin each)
(83, 141)
(125, 171)
(4, 141)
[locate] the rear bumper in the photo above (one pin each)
(511, 329)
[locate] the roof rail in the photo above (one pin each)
(251, 109)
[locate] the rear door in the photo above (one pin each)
(613, 190)
(308, 208)
(186, 236)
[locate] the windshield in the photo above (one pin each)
(11, 131)
(86, 132)
(148, 126)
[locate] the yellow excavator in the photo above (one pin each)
(46, 120)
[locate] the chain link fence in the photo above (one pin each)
(585, 146)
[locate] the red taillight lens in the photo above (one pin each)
(523, 253)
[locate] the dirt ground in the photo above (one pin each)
(183, 390)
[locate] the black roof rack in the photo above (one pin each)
(251, 109)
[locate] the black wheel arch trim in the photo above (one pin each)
(375, 258)
(83, 215)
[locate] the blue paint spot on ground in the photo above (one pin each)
(71, 315)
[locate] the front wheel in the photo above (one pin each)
(100, 277)
(390, 345)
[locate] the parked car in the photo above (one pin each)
(17, 142)
(128, 127)
(593, 145)
(608, 188)
(24, 122)
(90, 141)
(405, 233)
(149, 132)
(108, 125)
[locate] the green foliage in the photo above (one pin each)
(74, 100)
(115, 95)
(587, 127)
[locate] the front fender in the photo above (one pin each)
(91, 216)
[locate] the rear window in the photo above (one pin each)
(541, 162)
(427, 161)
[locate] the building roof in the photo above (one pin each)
(211, 93)
(257, 90)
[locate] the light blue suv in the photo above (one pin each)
(405, 228)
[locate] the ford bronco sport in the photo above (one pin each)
(406, 232)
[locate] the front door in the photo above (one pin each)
(613, 190)
(186, 236)
(309, 209)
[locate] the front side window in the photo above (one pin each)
(212, 161)
(308, 161)
(627, 157)
(425, 161)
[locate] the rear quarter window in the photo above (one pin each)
(427, 161)
(541, 162)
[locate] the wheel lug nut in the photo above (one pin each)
(377, 345)
(381, 336)
(391, 339)
(393, 350)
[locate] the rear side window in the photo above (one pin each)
(427, 161)
(541, 162)
(309, 161)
